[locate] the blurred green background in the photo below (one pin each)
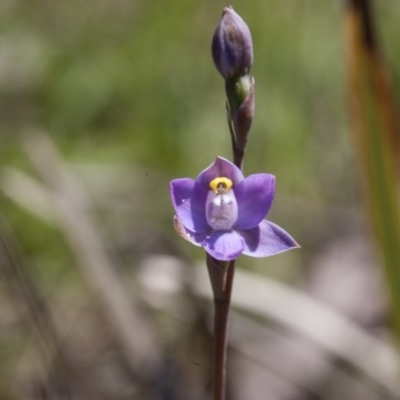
(132, 83)
(128, 92)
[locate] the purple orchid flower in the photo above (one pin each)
(223, 212)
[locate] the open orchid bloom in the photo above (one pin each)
(224, 212)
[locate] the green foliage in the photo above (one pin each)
(133, 83)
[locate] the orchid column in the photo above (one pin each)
(221, 210)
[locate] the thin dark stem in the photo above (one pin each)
(238, 156)
(219, 349)
(222, 300)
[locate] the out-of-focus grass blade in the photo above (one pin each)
(376, 137)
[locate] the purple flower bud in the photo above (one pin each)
(232, 47)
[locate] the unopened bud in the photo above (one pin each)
(232, 47)
(243, 118)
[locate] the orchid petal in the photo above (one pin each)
(220, 168)
(266, 240)
(224, 246)
(189, 201)
(192, 237)
(254, 196)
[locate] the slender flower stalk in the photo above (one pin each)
(221, 276)
(222, 210)
(232, 51)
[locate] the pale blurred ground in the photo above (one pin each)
(100, 299)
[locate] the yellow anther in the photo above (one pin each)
(220, 185)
